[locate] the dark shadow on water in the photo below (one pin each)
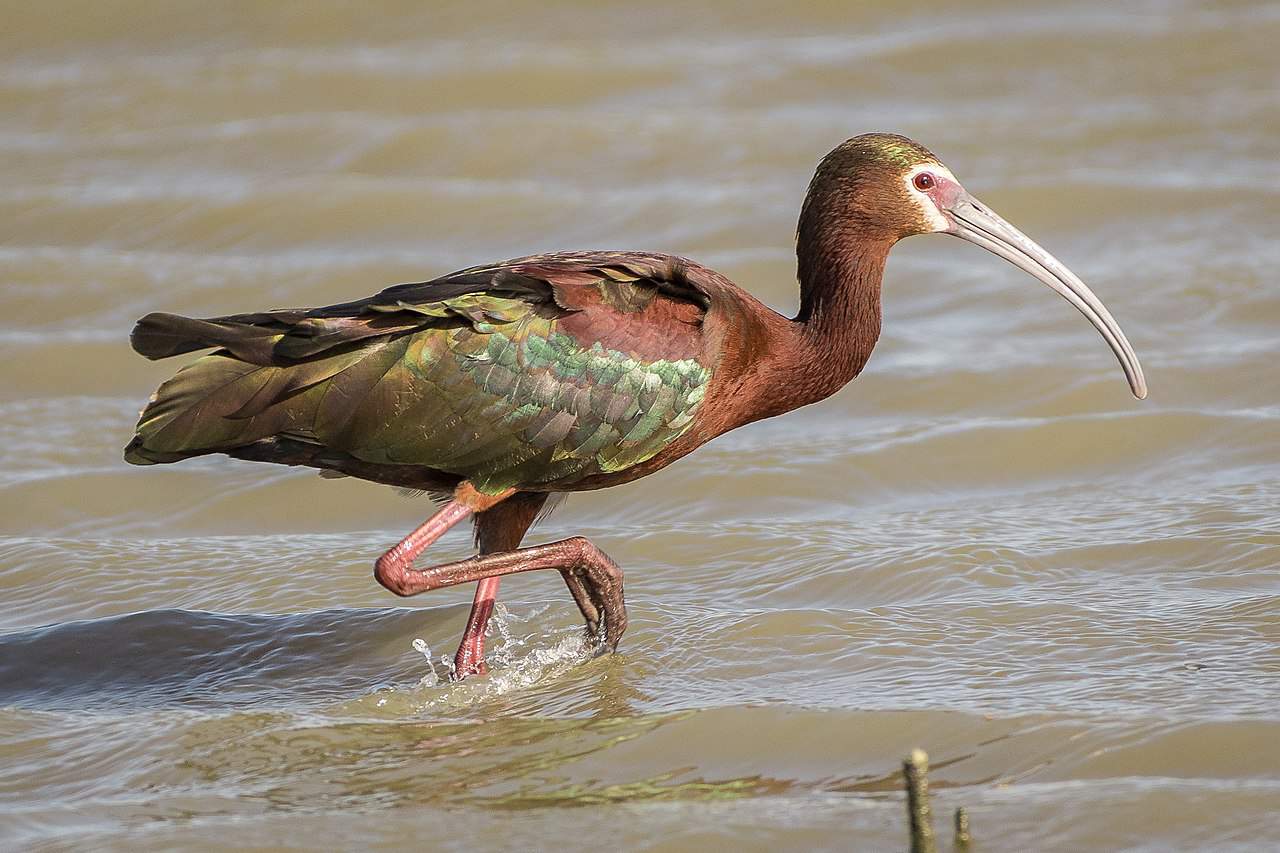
(212, 660)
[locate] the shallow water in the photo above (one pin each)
(984, 547)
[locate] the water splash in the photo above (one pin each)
(432, 678)
(509, 644)
(518, 660)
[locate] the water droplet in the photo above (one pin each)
(432, 677)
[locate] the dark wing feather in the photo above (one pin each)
(541, 371)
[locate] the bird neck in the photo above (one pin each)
(840, 271)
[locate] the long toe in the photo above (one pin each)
(613, 630)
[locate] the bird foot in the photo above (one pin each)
(598, 640)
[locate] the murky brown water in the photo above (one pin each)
(983, 547)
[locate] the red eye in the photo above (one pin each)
(924, 181)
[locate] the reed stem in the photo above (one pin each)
(916, 771)
(962, 838)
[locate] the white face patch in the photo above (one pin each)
(928, 207)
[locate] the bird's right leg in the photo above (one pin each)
(498, 529)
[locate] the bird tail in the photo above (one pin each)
(159, 335)
(235, 396)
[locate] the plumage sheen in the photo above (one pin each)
(539, 372)
(563, 372)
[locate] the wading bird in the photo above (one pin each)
(498, 386)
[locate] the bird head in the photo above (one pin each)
(889, 186)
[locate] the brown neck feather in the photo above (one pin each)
(840, 266)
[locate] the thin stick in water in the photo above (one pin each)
(962, 831)
(916, 771)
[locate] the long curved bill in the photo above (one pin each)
(974, 221)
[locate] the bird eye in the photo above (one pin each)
(924, 181)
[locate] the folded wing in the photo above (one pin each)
(536, 372)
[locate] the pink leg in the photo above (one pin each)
(404, 552)
(469, 659)
(497, 529)
(594, 574)
(595, 577)
(501, 523)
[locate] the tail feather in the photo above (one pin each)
(188, 414)
(246, 390)
(159, 336)
(220, 402)
(270, 371)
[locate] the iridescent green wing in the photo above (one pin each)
(599, 377)
(537, 372)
